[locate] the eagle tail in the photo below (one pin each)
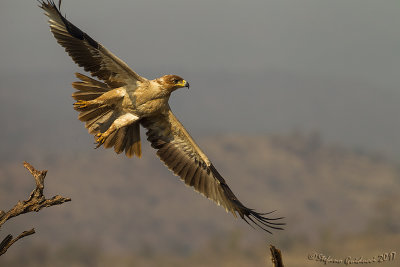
(98, 118)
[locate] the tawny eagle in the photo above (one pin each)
(114, 109)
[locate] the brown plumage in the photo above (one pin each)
(113, 110)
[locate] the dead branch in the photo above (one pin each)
(36, 202)
(276, 256)
(8, 241)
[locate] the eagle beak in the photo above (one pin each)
(185, 84)
(182, 83)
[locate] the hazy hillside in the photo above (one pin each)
(124, 205)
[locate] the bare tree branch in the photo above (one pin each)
(276, 256)
(36, 202)
(8, 241)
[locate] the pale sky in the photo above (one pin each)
(255, 67)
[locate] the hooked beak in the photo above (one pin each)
(185, 84)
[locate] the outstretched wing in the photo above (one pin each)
(185, 159)
(88, 53)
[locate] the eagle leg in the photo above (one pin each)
(121, 121)
(107, 98)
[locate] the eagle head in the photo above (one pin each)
(173, 82)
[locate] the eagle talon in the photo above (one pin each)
(101, 139)
(80, 104)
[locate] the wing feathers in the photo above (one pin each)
(88, 53)
(184, 158)
(93, 82)
(86, 95)
(93, 113)
(190, 175)
(182, 173)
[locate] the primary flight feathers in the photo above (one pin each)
(114, 109)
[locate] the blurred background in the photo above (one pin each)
(295, 102)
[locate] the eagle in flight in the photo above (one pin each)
(115, 107)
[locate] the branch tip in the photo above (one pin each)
(276, 256)
(36, 202)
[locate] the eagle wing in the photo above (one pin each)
(88, 53)
(184, 158)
